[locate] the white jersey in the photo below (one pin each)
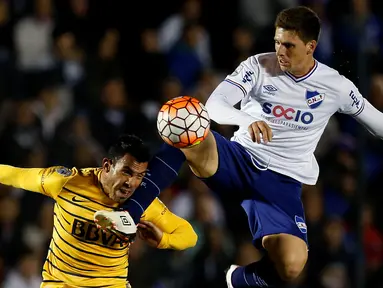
(296, 109)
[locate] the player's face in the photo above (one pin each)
(293, 54)
(123, 177)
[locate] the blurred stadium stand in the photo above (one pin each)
(76, 73)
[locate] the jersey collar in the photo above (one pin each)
(304, 77)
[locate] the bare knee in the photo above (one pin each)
(291, 266)
(289, 254)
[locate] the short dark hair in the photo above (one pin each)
(129, 144)
(304, 21)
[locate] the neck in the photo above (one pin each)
(101, 178)
(306, 68)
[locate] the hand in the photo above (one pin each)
(150, 233)
(260, 127)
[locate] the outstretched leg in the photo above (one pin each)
(162, 172)
(286, 254)
(203, 158)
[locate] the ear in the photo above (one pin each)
(311, 45)
(106, 164)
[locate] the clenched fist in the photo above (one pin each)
(150, 233)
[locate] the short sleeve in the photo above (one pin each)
(245, 75)
(351, 101)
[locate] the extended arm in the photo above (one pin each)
(27, 179)
(372, 119)
(353, 103)
(48, 181)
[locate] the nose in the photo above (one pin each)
(128, 182)
(280, 50)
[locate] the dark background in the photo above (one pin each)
(75, 74)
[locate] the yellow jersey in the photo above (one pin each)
(80, 254)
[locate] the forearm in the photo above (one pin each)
(27, 179)
(372, 119)
(181, 238)
(220, 106)
(177, 233)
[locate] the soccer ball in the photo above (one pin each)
(183, 122)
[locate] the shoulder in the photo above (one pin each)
(66, 174)
(262, 59)
(332, 78)
(268, 63)
(60, 171)
(266, 59)
(57, 175)
(88, 172)
(54, 178)
(256, 63)
(325, 71)
(84, 176)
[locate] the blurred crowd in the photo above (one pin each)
(74, 74)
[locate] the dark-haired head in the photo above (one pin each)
(302, 20)
(124, 167)
(296, 35)
(129, 144)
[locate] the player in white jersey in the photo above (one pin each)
(287, 98)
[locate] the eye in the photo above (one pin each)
(126, 173)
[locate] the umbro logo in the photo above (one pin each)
(76, 199)
(270, 88)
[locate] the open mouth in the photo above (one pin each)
(125, 190)
(283, 62)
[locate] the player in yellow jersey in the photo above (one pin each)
(80, 254)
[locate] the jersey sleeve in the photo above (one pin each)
(351, 102)
(372, 119)
(245, 75)
(231, 91)
(47, 181)
(178, 234)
